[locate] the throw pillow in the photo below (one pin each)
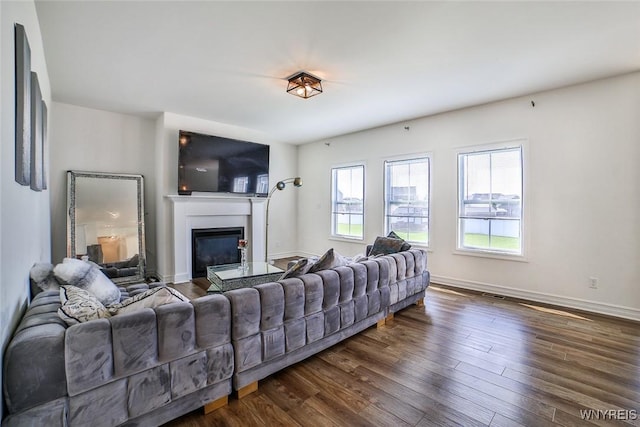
(298, 269)
(329, 259)
(80, 306)
(405, 246)
(41, 275)
(360, 257)
(88, 277)
(133, 261)
(148, 299)
(385, 246)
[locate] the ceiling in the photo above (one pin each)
(380, 62)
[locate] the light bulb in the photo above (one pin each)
(300, 91)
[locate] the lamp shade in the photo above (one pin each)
(304, 85)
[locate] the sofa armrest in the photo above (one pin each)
(34, 369)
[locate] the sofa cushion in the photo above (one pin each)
(151, 298)
(88, 277)
(79, 306)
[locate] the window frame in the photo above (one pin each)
(385, 209)
(522, 146)
(333, 212)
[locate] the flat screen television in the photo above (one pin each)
(221, 165)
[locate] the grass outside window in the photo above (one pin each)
(349, 230)
(499, 243)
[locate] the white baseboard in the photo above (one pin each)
(169, 278)
(568, 302)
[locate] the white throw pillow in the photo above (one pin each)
(88, 277)
(80, 306)
(148, 299)
(42, 276)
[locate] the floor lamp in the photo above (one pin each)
(280, 185)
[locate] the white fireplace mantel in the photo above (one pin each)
(214, 211)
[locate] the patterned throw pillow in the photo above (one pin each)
(298, 269)
(385, 246)
(151, 298)
(405, 245)
(87, 276)
(329, 259)
(80, 306)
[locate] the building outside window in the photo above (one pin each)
(406, 198)
(490, 200)
(347, 202)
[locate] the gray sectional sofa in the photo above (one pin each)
(154, 365)
(143, 368)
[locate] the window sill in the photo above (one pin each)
(420, 246)
(347, 239)
(492, 255)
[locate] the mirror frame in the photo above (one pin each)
(72, 176)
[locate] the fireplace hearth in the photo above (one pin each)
(214, 246)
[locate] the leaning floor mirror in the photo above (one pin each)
(105, 223)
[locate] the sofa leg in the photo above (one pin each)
(216, 404)
(247, 389)
(389, 318)
(420, 302)
(380, 323)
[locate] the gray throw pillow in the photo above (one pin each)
(298, 269)
(329, 259)
(385, 246)
(88, 277)
(405, 246)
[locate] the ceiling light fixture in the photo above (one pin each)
(304, 85)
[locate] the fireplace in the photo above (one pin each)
(209, 211)
(214, 246)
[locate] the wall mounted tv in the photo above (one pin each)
(214, 164)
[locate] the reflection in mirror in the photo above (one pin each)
(106, 223)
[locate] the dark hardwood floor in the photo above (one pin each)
(462, 359)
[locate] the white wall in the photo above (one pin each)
(581, 192)
(24, 214)
(100, 141)
(282, 164)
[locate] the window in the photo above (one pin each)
(406, 199)
(490, 200)
(262, 184)
(347, 202)
(240, 184)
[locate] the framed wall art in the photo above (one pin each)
(44, 145)
(37, 160)
(23, 106)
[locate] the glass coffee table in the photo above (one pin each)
(230, 276)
